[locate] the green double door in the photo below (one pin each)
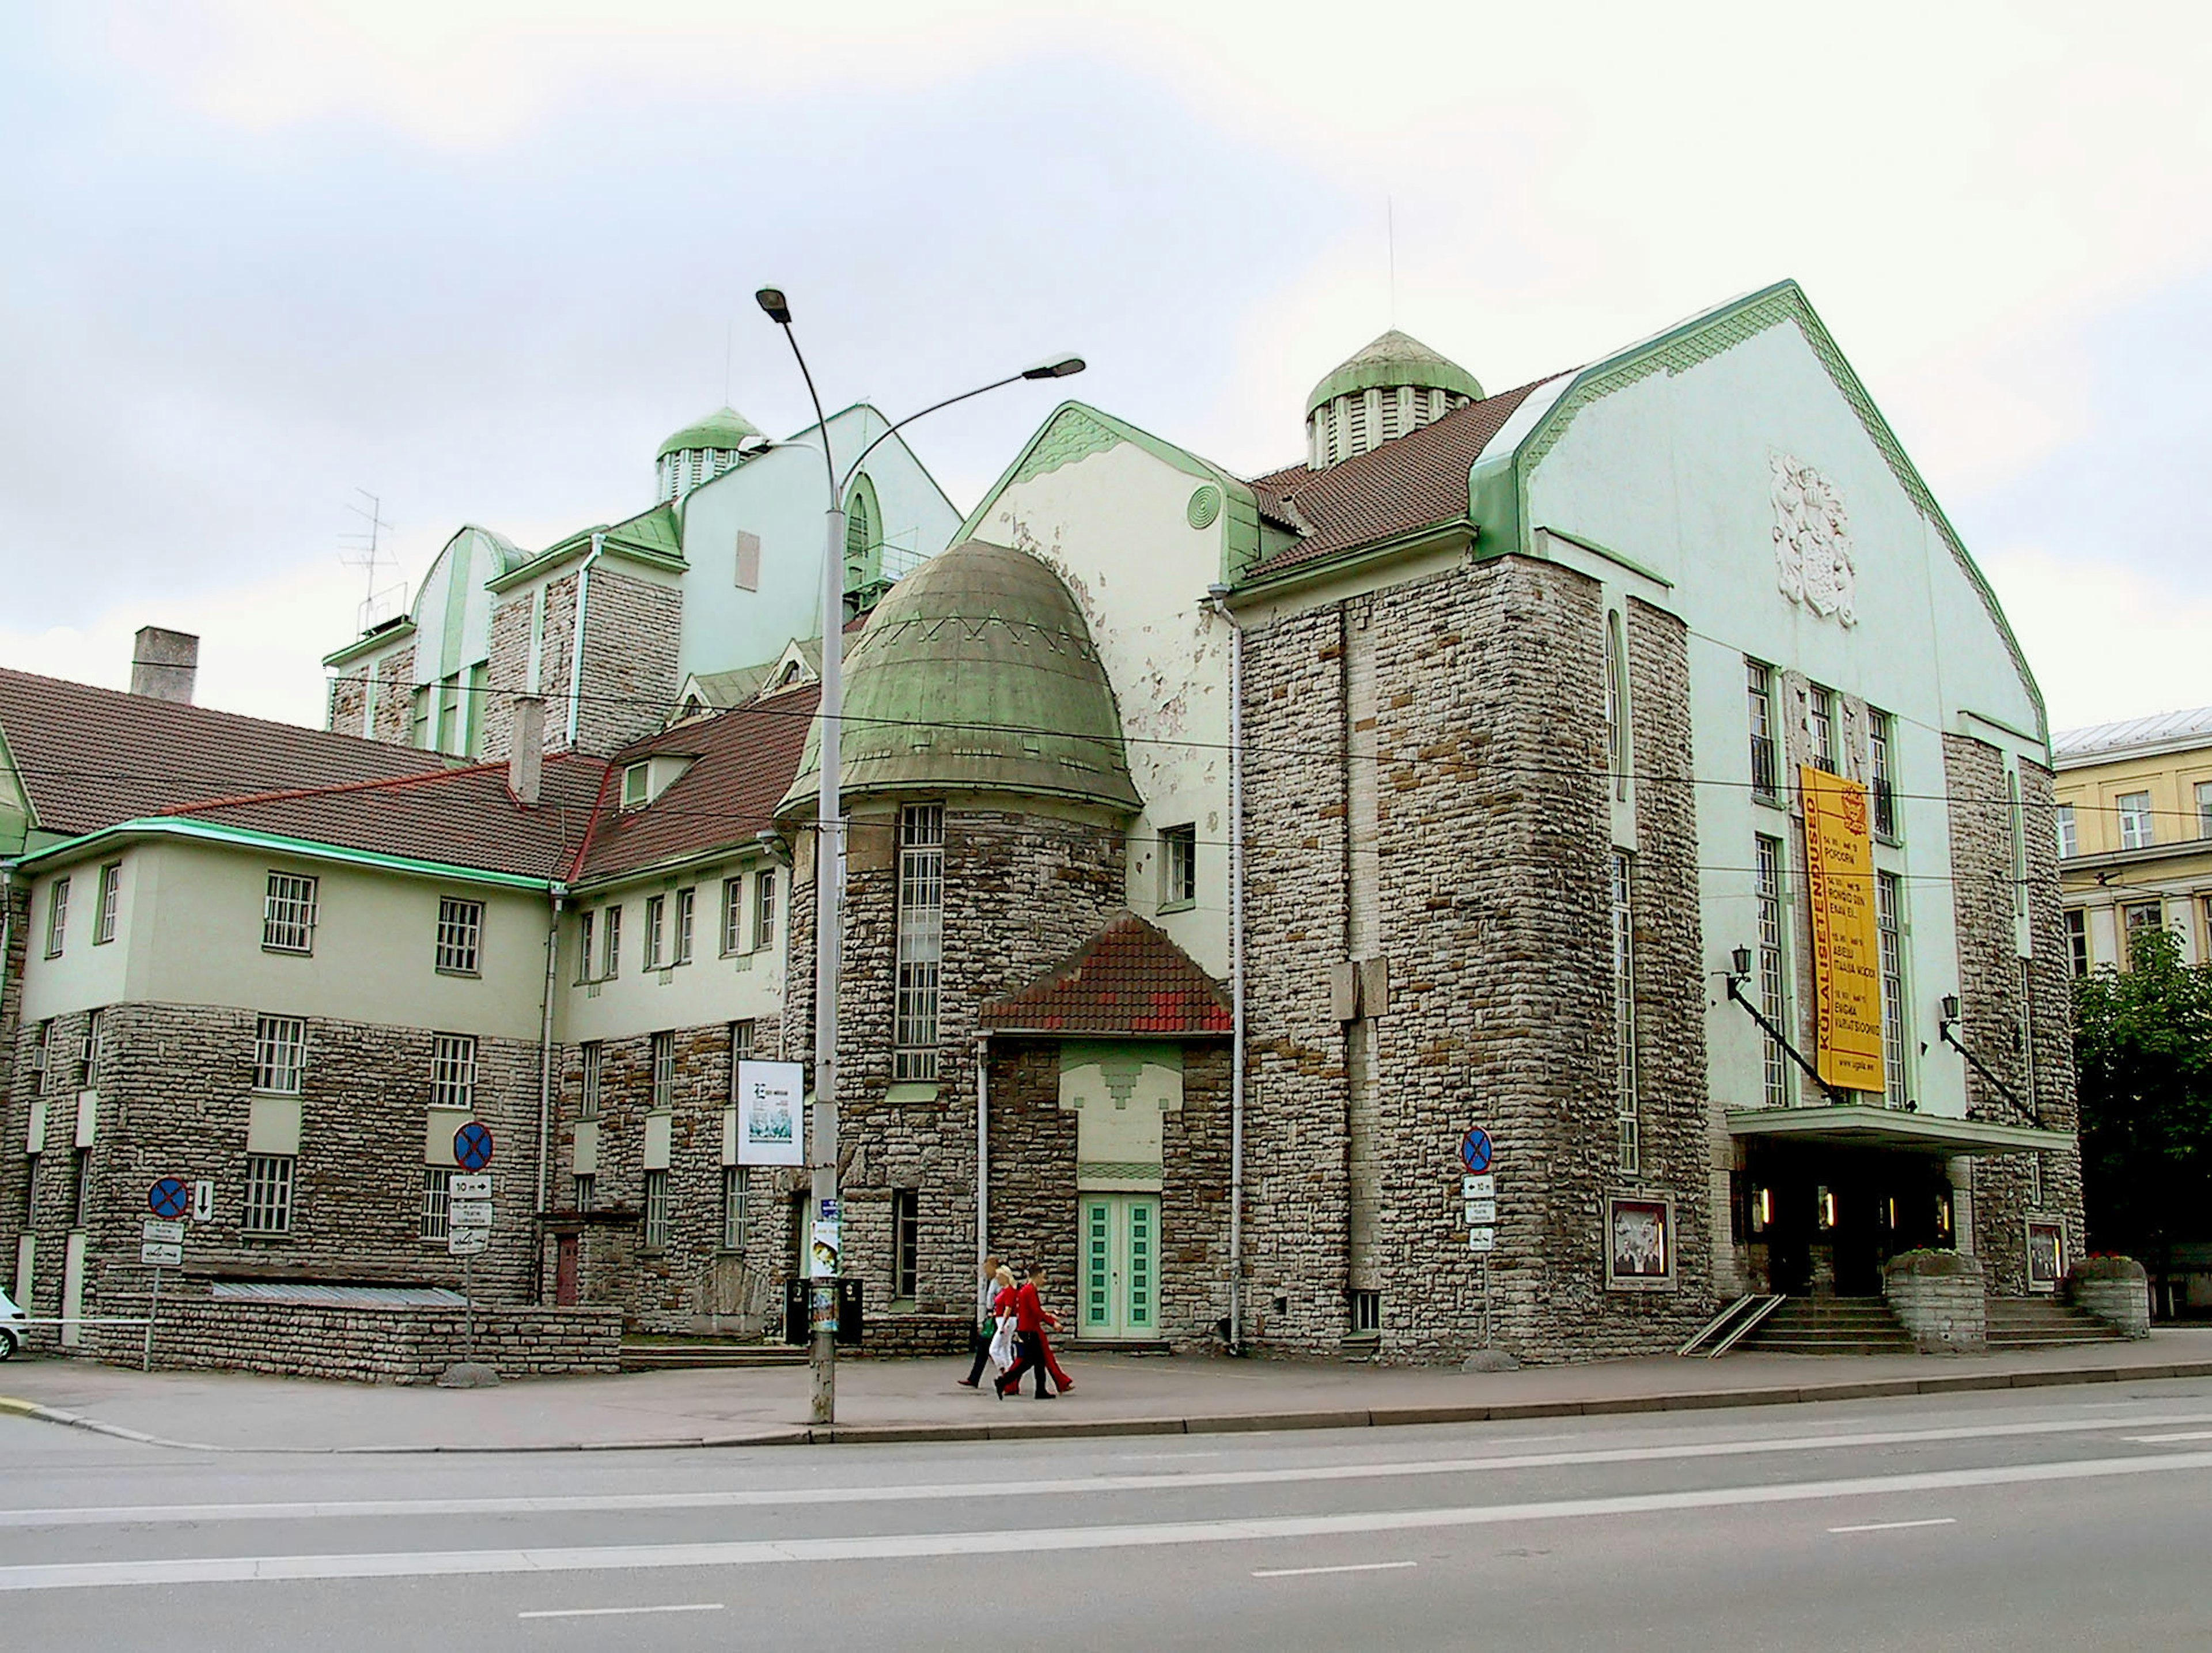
(1120, 1285)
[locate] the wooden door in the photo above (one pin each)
(1119, 1246)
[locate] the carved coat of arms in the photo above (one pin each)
(1813, 550)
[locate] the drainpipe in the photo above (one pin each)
(983, 1146)
(576, 641)
(555, 895)
(1220, 594)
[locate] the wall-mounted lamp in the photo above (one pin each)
(1950, 1006)
(1740, 963)
(773, 846)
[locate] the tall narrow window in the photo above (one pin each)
(733, 1207)
(2070, 840)
(906, 1240)
(687, 906)
(268, 1194)
(460, 936)
(437, 1202)
(111, 885)
(733, 916)
(1889, 919)
(1624, 1018)
(741, 1044)
(449, 714)
(584, 947)
(2025, 1034)
(57, 916)
(656, 1210)
(664, 1070)
(1772, 980)
(288, 915)
(1616, 706)
(418, 719)
(2204, 808)
(920, 940)
(454, 1070)
(2136, 830)
(764, 909)
(472, 707)
(609, 943)
(2019, 846)
(1759, 685)
(94, 1048)
(656, 908)
(280, 1053)
(1178, 866)
(42, 1062)
(1881, 738)
(1820, 725)
(81, 1188)
(2077, 937)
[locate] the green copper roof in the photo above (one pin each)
(724, 428)
(1396, 359)
(977, 673)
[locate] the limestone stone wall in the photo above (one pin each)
(395, 695)
(632, 628)
(1937, 1297)
(507, 671)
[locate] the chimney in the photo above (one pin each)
(525, 758)
(164, 665)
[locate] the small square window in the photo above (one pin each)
(460, 936)
(437, 1202)
(635, 785)
(584, 1190)
(1178, 866)
(280, 1053)
(268, 1193)
(1366, 1313)
(288, 915)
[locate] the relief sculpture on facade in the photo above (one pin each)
(1813, 541)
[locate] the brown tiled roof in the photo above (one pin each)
(742, 761)
(1129, 978)
(90, 757)
(464, 817)
(1411, 481)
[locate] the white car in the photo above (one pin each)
(13, 1326)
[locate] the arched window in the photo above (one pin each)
(863, 537)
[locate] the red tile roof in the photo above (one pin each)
(744, 760)
(89, 757)
(1411, 481)
(1128, 979)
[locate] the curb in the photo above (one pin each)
(1223, 1423)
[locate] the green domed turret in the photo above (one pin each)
(702, 450)
(977, 673)
(1396, 385)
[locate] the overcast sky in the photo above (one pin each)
(478, 257)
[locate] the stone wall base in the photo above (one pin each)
(1937, 1296)
(2115, 1290)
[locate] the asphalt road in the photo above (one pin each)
(2069, 1518)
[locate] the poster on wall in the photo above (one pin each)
(1639, 1242)
(1846, 940)
(2046, 1255)
(769, 1114)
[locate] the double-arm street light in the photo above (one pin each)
(828, 851)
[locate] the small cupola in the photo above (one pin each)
(702, 451)
(1396, 385)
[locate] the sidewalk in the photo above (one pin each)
(919, 1399)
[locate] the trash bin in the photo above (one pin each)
(794, 1313)
(851, 1304)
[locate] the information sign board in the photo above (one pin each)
(1484, 1186)
(469, 1186)
(1481, 1211)
(161, 1256)
(157, 1232)
(470, 1213)
(467, 1241)
(1482, 1239)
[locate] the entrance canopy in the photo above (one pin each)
(1857, 1127)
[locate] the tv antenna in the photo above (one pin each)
(363, 549)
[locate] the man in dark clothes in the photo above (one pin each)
(1030, 1322)
(987, 1325)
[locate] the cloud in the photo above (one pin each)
(2106, 640)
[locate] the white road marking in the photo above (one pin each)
(1309, 1572)
(620, 1612)
(773, 1498)
(2162, 1440)
(1895, 1526)
(441, 1563)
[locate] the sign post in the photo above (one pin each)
(162, 1243)
(468, 1219)
(1478, 1188)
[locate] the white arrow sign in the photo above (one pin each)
(471, 1185)
(467, 1241)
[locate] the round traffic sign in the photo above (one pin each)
(473, 1146)
(169, 1198)
(1474, 1151)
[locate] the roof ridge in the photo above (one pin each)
(192, 709)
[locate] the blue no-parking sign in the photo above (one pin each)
(473, 1146)
(169, 1198)
(1474, 1150)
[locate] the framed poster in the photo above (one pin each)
(1639, 1243)
(770, 1108)
(2046, 1254)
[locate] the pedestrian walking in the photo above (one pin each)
(986, 1324)
(1002, 1309)
(1031, 1318)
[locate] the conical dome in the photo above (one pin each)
(1394, 384)
(977, 673)
(702, 450)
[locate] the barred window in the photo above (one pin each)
(584, 1181)
(437, 1202)
(1625, 1111)
(1766, 774)
(280, 1053)
(1882, 736)
(733, 1207)
(587, 1105)
(687, 903)
(454, 1070)
(656, 1210)
(57, 916)
(734, 915)
(920, 940)
(1889, 906)
(1773, 996)
(656, 908)
(764, 908)
(664, 1070)
(460, 936)
(288, 917)
(268, 1193)
(111, 886)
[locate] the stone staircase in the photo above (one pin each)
(661, 1354)
(1829, 1326)
(2044, 1323)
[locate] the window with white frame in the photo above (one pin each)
(584, 947)
(280, 1053)
(57, 916)
(42, 1065)
(741, 1045)
(93, 1049)
(2136, 830)
(2070, 840)
(268, 1193)
(636, 783)
(656, 1210)
(733, 916)
(1626, 1113)
(288, 915)
(1178, 866)
(1889, 922)
(1616, 705)
(111, 887)
(656, 910)
(1820, 725)
(609, 943)
(733, 1207)
(1758, 686)
(764, 908)
(664, 1070)
(1773, 981)
(437, 1202)
(454, 1070)
(1881, 741)
(920, 940)
(2138, 920)
(2204, 808)
(587, 1100)
(687, 905)
(2077, 937)
(460, 936)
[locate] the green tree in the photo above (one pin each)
(2142, 1053)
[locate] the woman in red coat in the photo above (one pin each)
(1031, 1318)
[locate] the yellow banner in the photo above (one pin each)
(1846, 940)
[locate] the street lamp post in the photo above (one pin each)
(829, 849)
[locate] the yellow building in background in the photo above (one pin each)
(2135, 834)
